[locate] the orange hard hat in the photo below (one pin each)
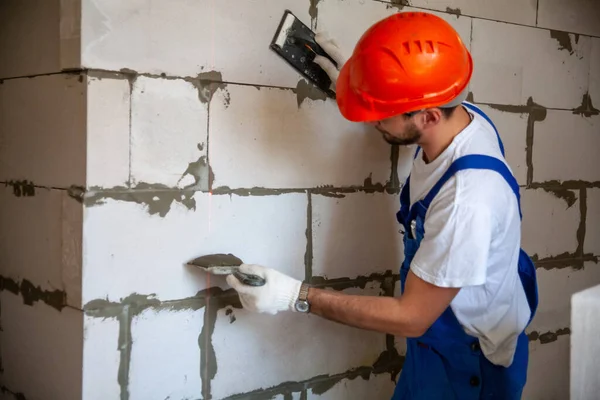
(406, 62)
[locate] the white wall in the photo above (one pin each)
(42, 154)
(175, 166)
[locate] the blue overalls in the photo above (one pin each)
(447, 363)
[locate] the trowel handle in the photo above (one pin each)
(249, 279)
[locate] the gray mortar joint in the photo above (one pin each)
(213, 300)
(31, 294)
(548, 337)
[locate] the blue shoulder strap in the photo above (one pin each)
(475, 161)
(478, 111)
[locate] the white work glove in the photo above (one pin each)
(279, 293)
(333, 49)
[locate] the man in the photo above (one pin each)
(468, 290)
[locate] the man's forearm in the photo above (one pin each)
(381, 314)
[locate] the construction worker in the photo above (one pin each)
(468, 290)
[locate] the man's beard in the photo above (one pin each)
(411, 136)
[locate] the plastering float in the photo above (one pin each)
(295, 43)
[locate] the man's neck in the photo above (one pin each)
(440, 142)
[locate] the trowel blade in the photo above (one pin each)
(217, 264)
(225, 264)
(220, 270)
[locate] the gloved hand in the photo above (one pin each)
(333, 49)
(279, 293)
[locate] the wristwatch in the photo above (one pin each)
(302, 302)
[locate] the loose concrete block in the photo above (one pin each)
(165, 357)
(41, 349)
(264, 350)
(499, 11)
(42, 130)
(29, 33)
(189, 38)
(40, 240)
(513, 132)
(376, 387)
(548, 370)
(108, 108)
(592, 222)
(356, 235)
(549, 224)
(101, 359)
(585, 349)
(127, 250)
(513, 63)
(334, 15)
(595, 71)
(555, 290)
(564, 148)
(168, 134)
(578, 16)
(276, 138)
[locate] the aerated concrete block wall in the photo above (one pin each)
(135, 136)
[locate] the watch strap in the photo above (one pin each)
(303, 295)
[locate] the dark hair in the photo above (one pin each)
(448, 111)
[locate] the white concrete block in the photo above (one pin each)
(489, 9)
(101, 359)
(513, 132)
(294, 396)
(42, 130)
(548, 371)
(168, 134)
(263, 350)
(29, 37)
(40, 240)
(578, 16)
(513, 63)
(41, 349)
(264, 139)
(594, 91)
(592, 222)
(165, 357)
(549, 225)
(564, 147)
(334, 15)
(108, 108)
(376, 387)
(585, 350)
(555, 290)
(356, 235)
(126, 250)
(186, 38)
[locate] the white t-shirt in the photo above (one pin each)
(472, 241)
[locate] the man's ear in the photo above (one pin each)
(430, 117)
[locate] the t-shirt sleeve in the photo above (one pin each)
(455, 248)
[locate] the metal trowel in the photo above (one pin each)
(226, 264)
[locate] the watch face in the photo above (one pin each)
(302, 306)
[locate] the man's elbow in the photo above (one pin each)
(416, 330)
(412, 328)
